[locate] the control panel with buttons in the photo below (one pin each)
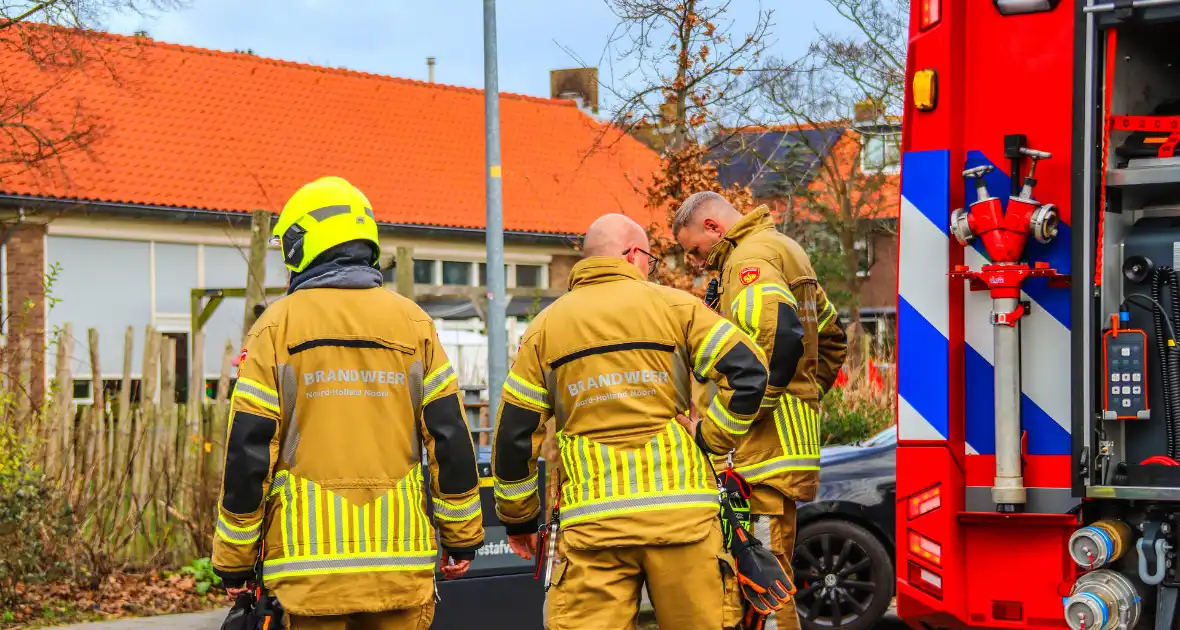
(1125, 356)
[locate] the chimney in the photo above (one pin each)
(577, 84)
(430, 69)
(868, 110)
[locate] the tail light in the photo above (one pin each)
(924, 502)
(925, 580)
(930, 13)
(926, 549)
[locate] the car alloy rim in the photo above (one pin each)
(834, 576)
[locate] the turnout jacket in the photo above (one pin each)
(769, 289)
(612, 362)
(339, 391)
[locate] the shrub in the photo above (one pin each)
(34, 524)
(858, 409)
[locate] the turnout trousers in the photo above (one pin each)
(601, 588)
(777, 533)
(417, 618)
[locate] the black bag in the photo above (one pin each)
(256, 609)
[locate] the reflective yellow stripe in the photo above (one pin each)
(235, 535)
(516, 490)
(799, 437)
(710, 350)
(828, 314)
(724, 419)
(348, 563)
(456, 512)
(258, 393)
(526, 391)
(666, 472)
(436, 382)
(747, 308)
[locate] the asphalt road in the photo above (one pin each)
(212, 621)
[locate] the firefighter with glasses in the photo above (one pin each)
(769, 290)
(342, 387)
(611, 362)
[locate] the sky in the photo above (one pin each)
(394, 37)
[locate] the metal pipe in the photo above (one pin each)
(1137, 4)
(497, 305)
(1008, 491)
(430, 69)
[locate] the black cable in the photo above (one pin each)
(1153, 304)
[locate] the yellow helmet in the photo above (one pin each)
(321, 215)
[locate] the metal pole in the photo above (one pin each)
(1008, 490)
(497, 306)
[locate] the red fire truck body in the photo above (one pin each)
(1032, 490)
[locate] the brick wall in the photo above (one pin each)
(25, 281)
(559, 271)
(880, 288)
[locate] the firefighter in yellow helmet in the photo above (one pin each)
(342, 385)
(769, 289)
(611, 363)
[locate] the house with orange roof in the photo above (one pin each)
(785, 168)
(180, 144)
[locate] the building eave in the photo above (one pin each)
(242, 219)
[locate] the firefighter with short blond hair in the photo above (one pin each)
(769, 289)
(342, 386)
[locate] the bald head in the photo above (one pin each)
(613, 235)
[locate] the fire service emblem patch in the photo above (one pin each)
(749, 274)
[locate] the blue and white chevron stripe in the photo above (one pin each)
(923, 316)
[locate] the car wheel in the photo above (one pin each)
(843, 576)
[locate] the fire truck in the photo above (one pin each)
(1039, 280)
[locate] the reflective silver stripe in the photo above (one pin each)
(243, 536)
(779, 290)
(383, 506)
(312, 516)
(725, 420)
(516, 489)
(768, 402)
(339, 510)
(526, 391)
(682, 469)
(436, 380)
(288, 507)
(632, 474)
(639, 503)
(608, 472)
(765, 469)
(827, 318)
(327, 212)
(706, 355)
(246, 386)
(657, 458)
(587, 475)
(461, 512)
(404, 562)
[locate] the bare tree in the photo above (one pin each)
(683, 66)
(840, 102)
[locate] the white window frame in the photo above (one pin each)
(865, 245)
(887, 140)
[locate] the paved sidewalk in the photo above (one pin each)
(209, 620)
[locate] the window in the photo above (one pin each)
(456, 273)
(864, 257)
(389, 274)
(528, 276)
(483, 274)
(881, 153)
(423, 272)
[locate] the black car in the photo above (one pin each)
(844, 546)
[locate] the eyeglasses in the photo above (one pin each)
(653, 264)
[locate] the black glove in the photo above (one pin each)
(763, 581)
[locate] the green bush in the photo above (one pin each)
(201, 570)
(856, 410)
(34, 525)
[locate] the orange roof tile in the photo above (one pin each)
(199, 129)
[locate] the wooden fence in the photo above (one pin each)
(139, 475)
